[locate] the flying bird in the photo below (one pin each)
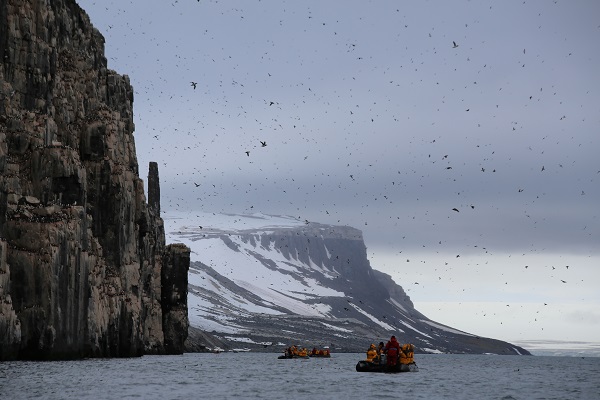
(263, 144)
(248, 153)
(455, 209)
(194, 84)
(454, 45)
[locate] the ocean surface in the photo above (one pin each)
(263, 376)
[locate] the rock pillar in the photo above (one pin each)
(153, 188)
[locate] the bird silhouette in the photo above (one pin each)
(263, 144)
(194, 84)
(454, 45)
(248, 153)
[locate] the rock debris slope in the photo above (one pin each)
(84, 269)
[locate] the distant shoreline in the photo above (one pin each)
(560, 348)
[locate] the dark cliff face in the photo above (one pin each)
(83, 261)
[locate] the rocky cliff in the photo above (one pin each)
(84, 269)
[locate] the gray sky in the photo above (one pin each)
(373, 118)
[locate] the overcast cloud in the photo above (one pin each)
(437, 128)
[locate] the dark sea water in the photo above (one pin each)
(263, 376)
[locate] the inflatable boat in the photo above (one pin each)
(368, 366)
(286, 356)
(403, 359)
(320, 355)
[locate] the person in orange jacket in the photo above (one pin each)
(371, 353)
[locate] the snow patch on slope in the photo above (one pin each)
(372, 318)
(445, 328)
(415, 329)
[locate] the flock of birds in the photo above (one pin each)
(431, 136)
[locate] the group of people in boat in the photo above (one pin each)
(391, 353)
(320, 352)
(296, 351)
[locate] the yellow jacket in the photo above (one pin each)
(371, 353)
(407, 354)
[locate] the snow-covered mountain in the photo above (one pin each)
(265, 282)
